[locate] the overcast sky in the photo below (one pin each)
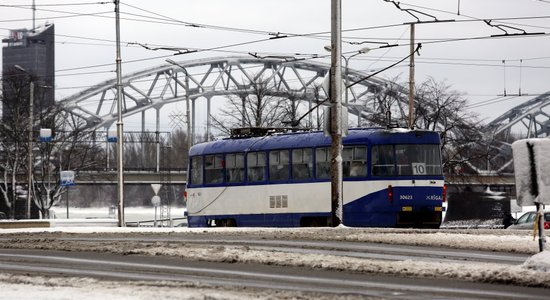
(85, 38)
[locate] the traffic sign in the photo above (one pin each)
(67, 178)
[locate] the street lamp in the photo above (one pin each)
(346, 60)
(30, 142)
(190, 137)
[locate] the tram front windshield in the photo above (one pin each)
(406, 160)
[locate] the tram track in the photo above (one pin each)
(364, 250)
(302, 260)
(161, 269)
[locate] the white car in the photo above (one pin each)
(527, 220)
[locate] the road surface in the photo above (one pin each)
(113, 256)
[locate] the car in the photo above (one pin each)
(527, 220)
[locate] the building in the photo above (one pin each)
(34, 51)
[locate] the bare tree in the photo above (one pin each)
(179, 153)
(441, 109)
(318, 112)
(13, 136)
(387, 100)
(75, 150)
(256, 107)
(71, 148)
(437, 107)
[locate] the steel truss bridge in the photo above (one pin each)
(199, 82)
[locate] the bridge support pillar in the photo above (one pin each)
(208, 118)
(193, 118)
(157, 130)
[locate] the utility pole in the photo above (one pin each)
(411, 79)
(119, 124)
(33, 15)
(336, 175)
(29, 150)
(190, 138)
(30, 137)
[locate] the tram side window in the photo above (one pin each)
(256, 163)
(213, 169)
(196, 170)
(382, 160)
(322, 163)
(278, 165)
(302, 164)
(354, 161)
(432, 157)
(234, 167)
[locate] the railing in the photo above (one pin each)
(473, 224)
(158, 222)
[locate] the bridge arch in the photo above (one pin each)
(530, 119)
(155, 87)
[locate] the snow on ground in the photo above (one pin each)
(538, 262)
(23, 287)
(519, 241)
(132, 214)
(529, 274)
(534, 272)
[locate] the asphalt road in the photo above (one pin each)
(338, 248)
(155, 268)
(36, 255)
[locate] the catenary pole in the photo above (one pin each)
(411, 79)
(119, 124)
(336, 113)
(30, 141)
(29, 150)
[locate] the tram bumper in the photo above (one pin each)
(420, 216)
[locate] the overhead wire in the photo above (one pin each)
(498, 99)
(282, 35)
(389, 49)
(254, 31)
(218, 48)
(29, 6)
(96, 14)
(473, 19)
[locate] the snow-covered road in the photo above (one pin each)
(535, 271)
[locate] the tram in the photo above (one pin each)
(392, 177)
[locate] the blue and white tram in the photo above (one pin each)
(392, 178)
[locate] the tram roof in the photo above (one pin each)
(316, 139)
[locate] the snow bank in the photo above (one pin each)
(467, 271)
(490, 240)
(538, 262)
(60, 288)
(535, 272)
